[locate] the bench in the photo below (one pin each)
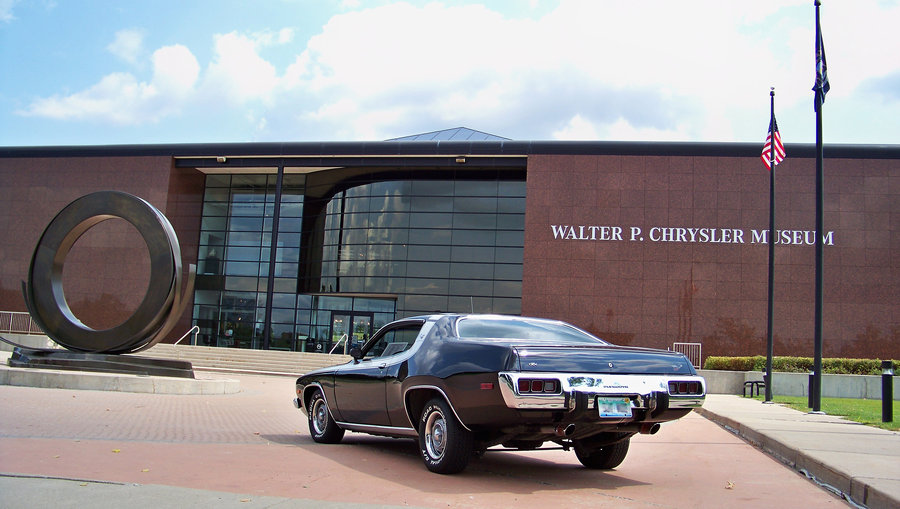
(758, 385)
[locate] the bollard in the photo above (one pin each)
(810, 389)
(887, 391)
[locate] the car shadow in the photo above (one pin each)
(520, 472)
(299, 438)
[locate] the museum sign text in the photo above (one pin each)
(688, 235)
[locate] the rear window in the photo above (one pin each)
(524, 331)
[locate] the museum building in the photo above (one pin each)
(297, 245)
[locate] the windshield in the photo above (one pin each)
(527, 330)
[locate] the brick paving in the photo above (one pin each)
(99, 415)
(254, 445)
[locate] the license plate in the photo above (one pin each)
(614, 407)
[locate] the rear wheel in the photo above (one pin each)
(445, 445)
(321, 424)
(602, 458)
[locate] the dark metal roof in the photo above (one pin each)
(446, 148)
(454, 134)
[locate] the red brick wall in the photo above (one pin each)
(106, 273)
(654, 293)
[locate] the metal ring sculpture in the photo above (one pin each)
(158, 311)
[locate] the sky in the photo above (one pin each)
(104, 72)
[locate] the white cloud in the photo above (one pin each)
(175, 71)
(577, 129)
(595, 61)
(128, 45)
(6, 8)
(443, 63)
(120, 98)
(657, 70)
(238, 72)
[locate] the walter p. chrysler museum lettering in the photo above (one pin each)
(689, 235)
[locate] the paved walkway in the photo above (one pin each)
(29, 492)
(856, 462)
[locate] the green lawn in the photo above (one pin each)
(865, 411)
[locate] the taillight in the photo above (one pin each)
(685, 388)
(538, 386)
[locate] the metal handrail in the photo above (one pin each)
(195, 329)
(342, 338)
(18, 322)
(693, 351)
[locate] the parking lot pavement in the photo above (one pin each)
(253, 447)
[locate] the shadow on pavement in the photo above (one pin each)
(519, 472)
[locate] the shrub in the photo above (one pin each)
(735, 363)
(797, 365)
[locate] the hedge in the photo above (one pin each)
(797, 365)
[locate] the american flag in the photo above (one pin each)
(767, 148)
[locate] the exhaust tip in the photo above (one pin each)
(565, 431)
(650, 428)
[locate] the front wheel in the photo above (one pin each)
(444, 443)
(321, 424)
(602, 458)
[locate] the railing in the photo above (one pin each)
(18, 322)
(343, 338)
(691, 350)
(195, 329)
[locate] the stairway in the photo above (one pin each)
(241, 360)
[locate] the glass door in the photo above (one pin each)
(349, 330)
(362, 329)
(340, 331)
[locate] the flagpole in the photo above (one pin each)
(816, 390)
(770, 342)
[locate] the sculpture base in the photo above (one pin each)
(99, 362)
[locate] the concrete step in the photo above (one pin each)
(245, 360)
(210, 358)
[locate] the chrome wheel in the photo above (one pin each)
(444, 443)
(320, 416)
(321, 424)
(436, 435)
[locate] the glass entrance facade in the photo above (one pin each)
(354, 250)
(233, 261)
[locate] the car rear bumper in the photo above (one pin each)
(644, 391)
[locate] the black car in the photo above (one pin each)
(464, 383)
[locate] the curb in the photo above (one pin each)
(856, 491)
(81, 380)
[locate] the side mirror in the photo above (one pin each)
(356, 353)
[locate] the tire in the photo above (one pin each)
(322, 427)
(445, 445)
(602, 458)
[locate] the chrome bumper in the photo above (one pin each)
(640, 388)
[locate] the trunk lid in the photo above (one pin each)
(602, 359)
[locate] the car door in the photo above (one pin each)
(360, 387)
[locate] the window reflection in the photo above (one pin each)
(426, 239)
